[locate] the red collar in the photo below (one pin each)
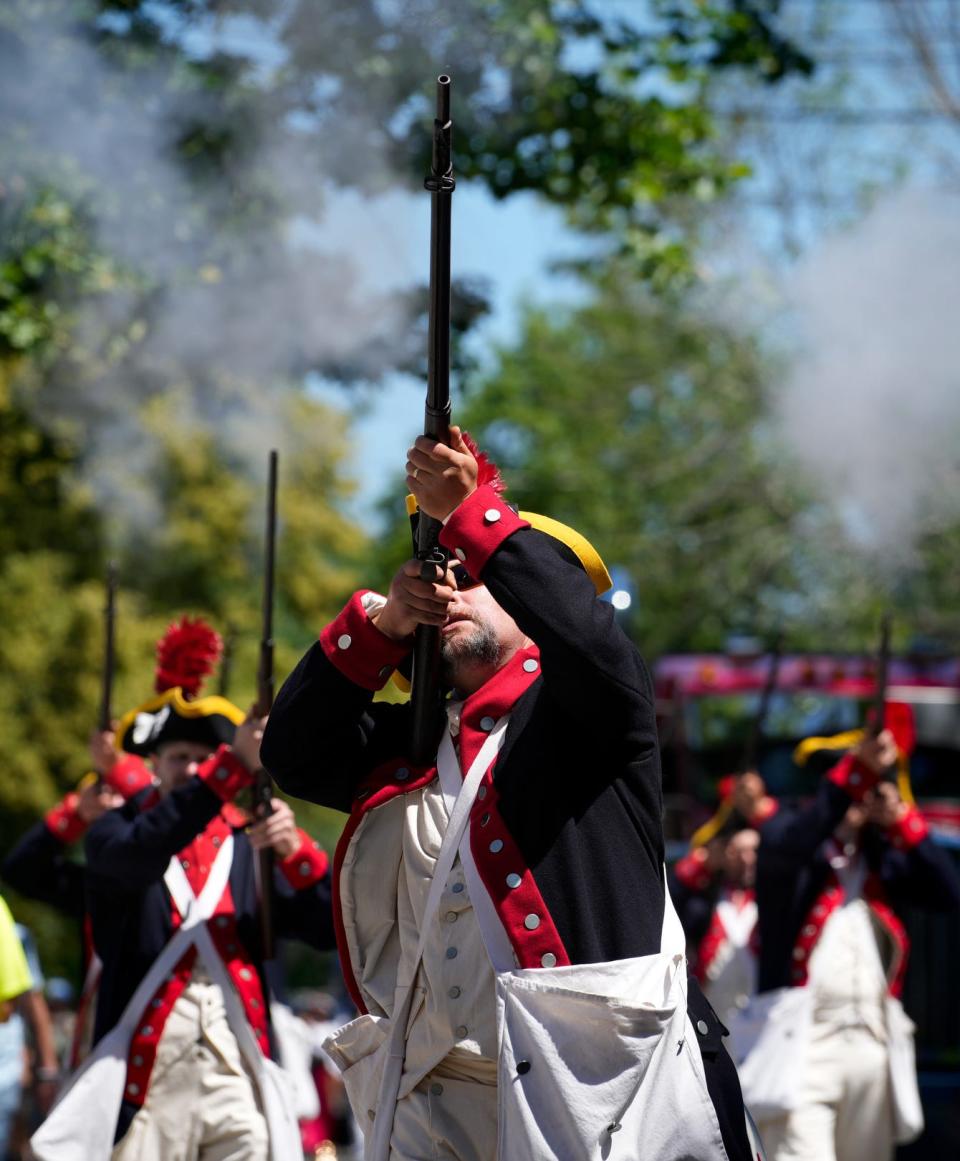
(494, 698)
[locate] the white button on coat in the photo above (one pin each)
(492, 515)
(531, 665)
(344, 641)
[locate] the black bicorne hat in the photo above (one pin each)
(186, 654)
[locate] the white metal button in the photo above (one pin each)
(548, 960)
(513, 880)
(487, 724)
(459, 554)
(532, 922)
(344, 641)
(492, 515)
(702, 1027)
(496, 846)
(531, 664)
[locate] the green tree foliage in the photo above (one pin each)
(159, 320)
(641, 424)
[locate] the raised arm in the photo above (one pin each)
(130, 848)
(588, 662)
(301, 871)
(792, 836)
(325, 734)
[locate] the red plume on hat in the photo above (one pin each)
(487, 471)
(186, 654)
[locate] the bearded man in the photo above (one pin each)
(501, 912)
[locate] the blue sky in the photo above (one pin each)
(510, 244)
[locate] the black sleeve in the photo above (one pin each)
(325, 734)
(924, 876)
(305, 915)
(38, 868)
(128, 850)
(791, 837)
(694, 909)
(589, 664)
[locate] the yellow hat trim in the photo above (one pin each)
(811, 746)
(847, 741)
(588, 556)
(201, 707)
(712, 827)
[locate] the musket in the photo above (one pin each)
(262, 784)
(752, 749)
(105, 720)
(226, 661)
(425, 681)
(883, 665)
(109, 635)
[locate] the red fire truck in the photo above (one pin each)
(706, 703)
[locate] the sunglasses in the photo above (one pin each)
(462, 577)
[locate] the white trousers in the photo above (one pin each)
(845, 1111)
(444, 1119)
(201, 1104)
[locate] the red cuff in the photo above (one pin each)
(63, 821)
(692, 870)
(225, 774)
(766, 808)
(477, 528)
(355, 645)
(909, 831)
(853, 777)
(307, 865)
(128, 775)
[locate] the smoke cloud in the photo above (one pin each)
(871, 408)
(226, 338)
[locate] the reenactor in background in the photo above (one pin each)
(181, 1066)
(832, 1076)
(713, 890)
(40, 866)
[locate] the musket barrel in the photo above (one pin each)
(109, 648)
(425, 688)
(263, 785)
(883, 665)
